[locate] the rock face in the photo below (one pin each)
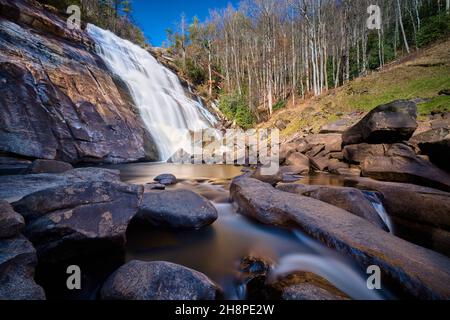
(349, 199)
(79, 219)
(420, 214)
(57, 98)
(418, 271)
(49, 166)
(390, 123)
(139, 280)
(11, 223)
(17, 262)
(180, 209)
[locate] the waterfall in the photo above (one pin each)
(167, 112)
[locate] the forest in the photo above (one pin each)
(266, 54)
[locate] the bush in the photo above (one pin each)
(195, 73)
(281, 104)
(434, 28)
(235, 108)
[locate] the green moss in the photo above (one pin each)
(435, 105)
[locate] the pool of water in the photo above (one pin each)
(217, 250)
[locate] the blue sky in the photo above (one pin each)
(155, 16)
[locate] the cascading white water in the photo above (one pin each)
(168, 113)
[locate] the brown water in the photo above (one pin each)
(217, 250)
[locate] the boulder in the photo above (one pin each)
(298, 161)
(180, 209)
(436, 145)
(417, 271)
(80, 219)
(357, 153)
(166, 179)
(17, 264)
(389, 123)
(407, 169)
(307, 286)
(349, 199)
(11, 223)
(138, 280)
(284, 174)
(14, 188)
(334, 166)
(420, 214)
(331, 141)
(49, 166)
(320, 162)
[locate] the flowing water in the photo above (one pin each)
(169, 114)
(218, 249)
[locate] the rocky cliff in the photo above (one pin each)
(57, 98)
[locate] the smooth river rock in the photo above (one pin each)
(179, 209)
(138, 280)
(417, 271)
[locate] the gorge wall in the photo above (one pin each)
(57, 98)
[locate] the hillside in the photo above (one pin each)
(419, 76)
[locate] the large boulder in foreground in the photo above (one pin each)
(138, 280)
(180, 209)
(420, 214)
(14, 188)
(17, 263)
(417, 271)
(11, 223)
(349, 199)
(389, 123)
(79, 219)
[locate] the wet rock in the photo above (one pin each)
(139, 280)
(423, 276)
(80, 219)
(17, 262)
(349, 199)
(14, 188)
(307, 286)
(284, 173)
(420, 214)
(11, 223)
(356, 172)
(58, 100)
(166, 179)
(49, 166)
(180, 209)
(407, 169)
(390, 123)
